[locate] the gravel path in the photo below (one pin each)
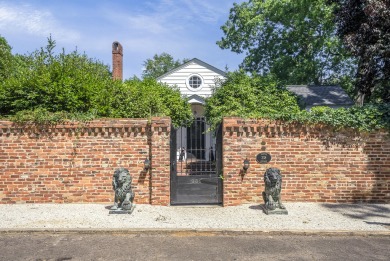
(301, 216)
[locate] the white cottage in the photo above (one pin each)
(195, 80)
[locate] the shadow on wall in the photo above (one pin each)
(377, 158)
(371, 181)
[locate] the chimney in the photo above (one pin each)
(117, 61)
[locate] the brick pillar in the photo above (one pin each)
(117, 61)
(160, 161)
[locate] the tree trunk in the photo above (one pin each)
(360, 98)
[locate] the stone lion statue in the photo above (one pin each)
(124, 196)
(273, 187)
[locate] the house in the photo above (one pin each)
(195, 80)
(313, 95)
(196, 152)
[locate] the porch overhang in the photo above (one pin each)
(195, 99)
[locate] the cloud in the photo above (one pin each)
(26, 19)
(168, 16)
(147, 24)
(206, 11)
(189, 11)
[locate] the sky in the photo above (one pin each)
(183, 28)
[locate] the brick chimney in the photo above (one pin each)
(117, 61)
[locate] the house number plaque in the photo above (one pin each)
(263, 158)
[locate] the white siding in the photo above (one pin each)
(180, 77)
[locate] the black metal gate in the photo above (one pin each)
(195, 165)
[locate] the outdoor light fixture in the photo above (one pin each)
(146, 164)
(246, 165)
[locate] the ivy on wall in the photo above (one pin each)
(368, 118)
(257, 96)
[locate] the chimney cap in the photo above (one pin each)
(117, 47)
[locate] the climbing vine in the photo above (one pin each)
(257, 97)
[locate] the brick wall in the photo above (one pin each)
(75, 163)
(315, 167)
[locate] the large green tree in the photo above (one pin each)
(293, 39)
(160, 64)
(364, 25)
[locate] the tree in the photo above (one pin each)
(6, 59)
(146, 98)
(364, 25)
(250, 97)
(294, 40)
(159, 65)
(57, 82)
(48, 87)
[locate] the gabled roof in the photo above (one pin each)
(314, 95)
(195, 60)
(196, 99)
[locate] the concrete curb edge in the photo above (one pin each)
(192, 232)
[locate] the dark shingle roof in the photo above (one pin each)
(315, 95)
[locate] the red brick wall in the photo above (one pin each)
(160, 157)
(75, 163)
(313, 169)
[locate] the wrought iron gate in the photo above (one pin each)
(195, 165)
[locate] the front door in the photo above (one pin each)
(194, 171)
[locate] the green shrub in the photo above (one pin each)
(261, 97)
(249, 97)
(46, 88)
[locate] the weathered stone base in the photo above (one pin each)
(277, 211)
(122, 211)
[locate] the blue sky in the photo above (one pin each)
(182, 28)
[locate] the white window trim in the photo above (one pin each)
(188, 82)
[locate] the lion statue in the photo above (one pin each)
(273, 187)
(124, 196)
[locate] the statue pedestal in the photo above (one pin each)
(276, 211)
(122, 211)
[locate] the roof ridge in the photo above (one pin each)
(210, 67)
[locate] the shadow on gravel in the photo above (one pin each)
(256, 207)
(360, 211)
(378, 223)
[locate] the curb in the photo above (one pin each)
(194, 232)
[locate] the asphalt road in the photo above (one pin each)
(182, 246)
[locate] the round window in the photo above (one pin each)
(195, 82)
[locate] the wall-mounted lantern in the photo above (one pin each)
(246, 165)
(146, 164)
